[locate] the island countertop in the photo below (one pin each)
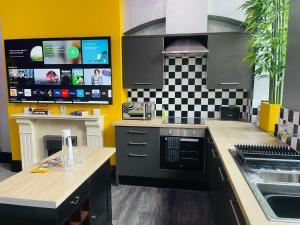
(49, 190)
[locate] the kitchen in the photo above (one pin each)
(194, 132)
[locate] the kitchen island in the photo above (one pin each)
(79, 196)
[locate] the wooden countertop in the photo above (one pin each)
(50, 189)
(225, 135)
(155, 122)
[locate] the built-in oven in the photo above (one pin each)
(182, 149)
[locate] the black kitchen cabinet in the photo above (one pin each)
(291, 89)
(100, 194)
(137, 151)
(143, 62)
(226, 68)
(225, 207)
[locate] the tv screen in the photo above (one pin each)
(59, 70)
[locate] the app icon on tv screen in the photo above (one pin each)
(13, 92)
(65, 93)
(56, 93)
(72, 93)
(95, 52)
(27, 92)
(80, 93)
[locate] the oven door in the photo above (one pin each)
(182, 153)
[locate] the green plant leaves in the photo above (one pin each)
(267, 22)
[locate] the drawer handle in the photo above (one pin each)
(229, 83)
(75, 201)
(136, 132)
(137, 143)
(209, 141)
(234, 212)
(221, 174)
(213, 152)
(142, 83)
(137, 155)
(189, 140)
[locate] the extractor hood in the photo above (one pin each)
(185, 47)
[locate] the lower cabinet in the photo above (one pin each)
(137, 151)
(226, 210)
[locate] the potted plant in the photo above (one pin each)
(267, 23)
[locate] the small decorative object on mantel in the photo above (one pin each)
(79, 113)
(267, 23)
(41, 111)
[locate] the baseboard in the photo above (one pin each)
(16, 165)
(5, 157)
(163, 183)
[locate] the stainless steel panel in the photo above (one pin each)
(182, 132)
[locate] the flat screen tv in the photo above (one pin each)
(59, 70)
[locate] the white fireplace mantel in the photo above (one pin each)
(32, 128)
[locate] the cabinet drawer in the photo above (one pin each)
(136, 137)
(137, 163)
(72, 202)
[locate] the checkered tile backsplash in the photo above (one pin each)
(251, 112)
(185, 93)
(292, 120)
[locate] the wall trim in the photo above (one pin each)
(16, 166)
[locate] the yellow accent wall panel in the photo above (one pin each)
(67, 18)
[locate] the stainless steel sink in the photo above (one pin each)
(279, 176)
(277, 191)
(284, 206)
(280, 201)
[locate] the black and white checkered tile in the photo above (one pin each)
(185, 93)
(292, 120)
(251, 112)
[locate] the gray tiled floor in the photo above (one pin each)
(5, 171)
(133, 205)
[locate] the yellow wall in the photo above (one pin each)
(67, 18)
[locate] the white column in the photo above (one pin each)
(94, 133)
(4, 127)
(27, 143)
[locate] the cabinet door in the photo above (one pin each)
(226, 68)
(100, 196)
(225, 207)
(143, 62)
(291, 89)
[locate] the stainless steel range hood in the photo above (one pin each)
(185, 48)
